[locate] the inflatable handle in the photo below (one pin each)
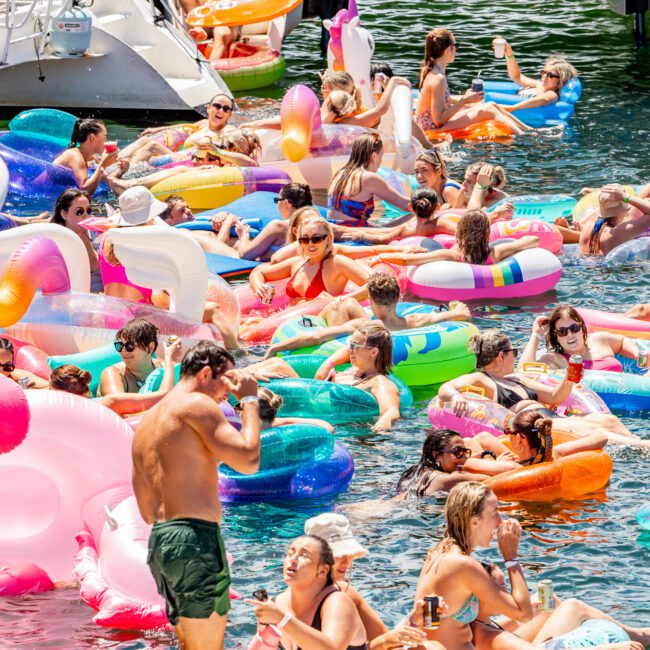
(37, 263)
(69, 245)
(166, 258)
(535, 366)
(4, 182)
(300, 117)
(16, 415)
(473, 390)
(400, 104)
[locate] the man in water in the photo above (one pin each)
(345, 315)
(176, 450)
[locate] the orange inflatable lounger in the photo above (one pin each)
(488, 130)
(568, 477)
(241, 12)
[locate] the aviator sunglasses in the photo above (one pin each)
(564, 331)
(129, 346)
(314, 239)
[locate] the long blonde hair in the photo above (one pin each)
(343, 81)
(465, 500)
(564, 69)
(296, 220)
(360, 157)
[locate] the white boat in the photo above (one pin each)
(140, 57)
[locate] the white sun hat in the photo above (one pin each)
(337, 532)
(137, 207)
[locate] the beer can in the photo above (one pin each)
(642, 362)
(574, 369)
(431, 616)
(23, 382)
(268, 291)
(545, 595)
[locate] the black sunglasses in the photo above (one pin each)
(314, 239)
(277, 199)
(515, 351)
(79, 211)
(552, 75)
(221, 107)
(129, 345)
(564, 331)
(459, 452)
(8, 367)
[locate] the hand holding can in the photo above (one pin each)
(574, 369)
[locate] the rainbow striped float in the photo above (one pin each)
(527, 273)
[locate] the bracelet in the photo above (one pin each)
(249, 399)
(488, 454)
(285, 619)
(512, 563)
(509, 58)
(481, 187)
(626, 199)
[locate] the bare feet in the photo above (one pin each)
(115, 183)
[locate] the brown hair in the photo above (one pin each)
(341, 103)
(63, 203)
(141, 332)
(424, 202)
(296, 220)
(437, 41)
(473, 237)
(360, 156)
(244, 141)
(536, 428)
(270, 404)
(383, 289)
(378, 336)
(487, 345)
(70, 379)
(465, 500)
(562, 311)
(434, 158)
(498, 178)
(326, 557)
(343, 81)
(83, 129)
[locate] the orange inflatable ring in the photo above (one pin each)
(232, 13)
(487, 130)
(568, 477)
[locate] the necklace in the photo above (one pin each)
(139, 382)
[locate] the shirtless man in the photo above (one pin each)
(176, 450)
(346, 315)
(145, 147)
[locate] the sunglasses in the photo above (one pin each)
(8, 367)
(459, 452)
(314, 239)
(277, 199)
(455, 45)
(355, 346)
(221, 107)
(552, 75)
(129, 346)
(564, 331)
(79, 211)
(515, 351)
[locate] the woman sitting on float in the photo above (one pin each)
(88, 141)
(370, 353)
(431, 171)
(435, 108)
(482, 187)
(8, 368)
(530, 433)
(424, 223)
(472, 245)
(555, 74)
(318, 270)
(495, 358)
(621, 217)
(353, 189)
(565, 334)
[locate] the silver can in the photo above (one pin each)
(642, 361)
(23, 382)
(545, 595)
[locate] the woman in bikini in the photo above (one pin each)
(435, 108)
(450, 572)
(472, 245)
(495, 358)
(431, 171)
(87, 145)
(317, 271)
(621, 217)
(482, 187)
(8, 367)
(312, 613)
(530, 433)
(370, 353)
(352, 192)
(565, 333)
(557, 71)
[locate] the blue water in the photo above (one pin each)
(591, 548)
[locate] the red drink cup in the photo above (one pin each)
(110, 146)
(574, 369)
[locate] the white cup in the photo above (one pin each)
(499, 45)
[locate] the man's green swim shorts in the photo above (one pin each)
(188, 561)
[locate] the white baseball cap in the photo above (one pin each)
(137, 207)
(337, 532)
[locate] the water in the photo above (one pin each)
(590, 548)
